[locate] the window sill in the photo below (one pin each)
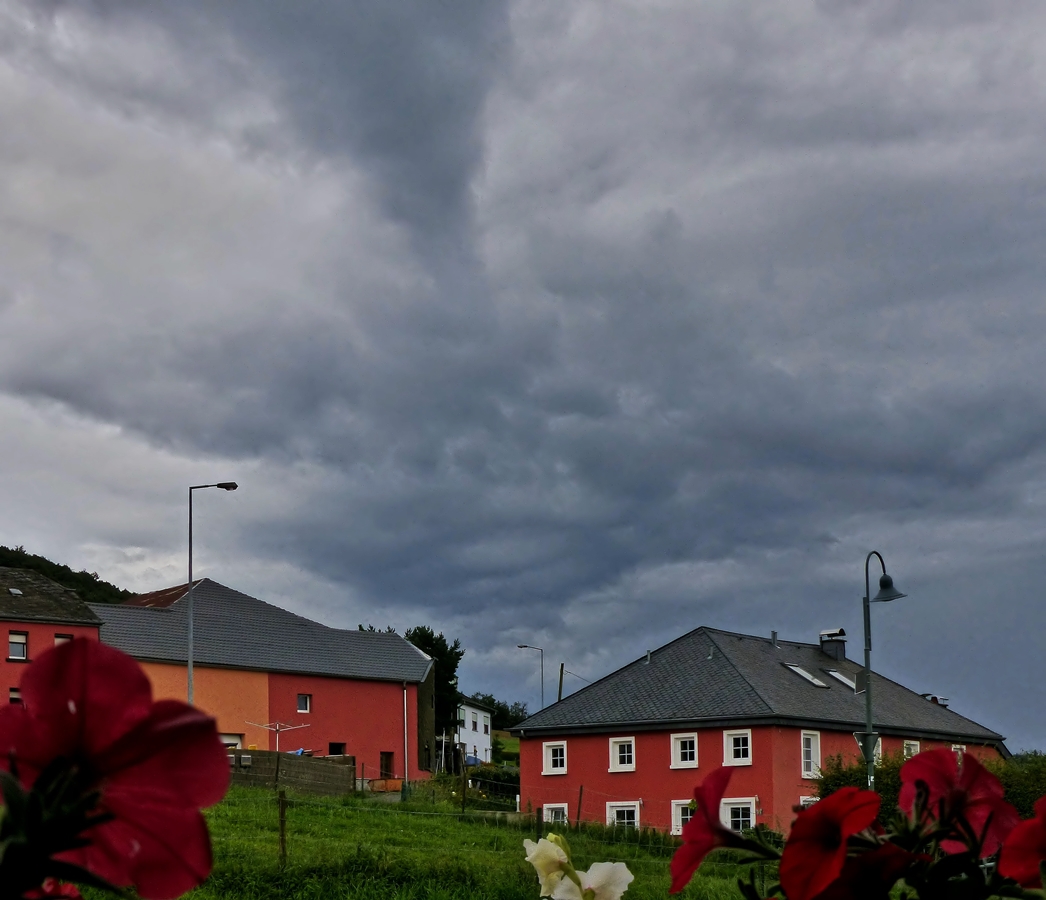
(18, 659)
(622, 769)
(556, 772)
(737, 762)
(683, 765)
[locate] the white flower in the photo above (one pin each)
(607, 881)
(550, 860)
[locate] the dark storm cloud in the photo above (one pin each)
(597, 323)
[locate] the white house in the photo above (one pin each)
(474, 730)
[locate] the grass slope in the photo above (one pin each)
(359, 850)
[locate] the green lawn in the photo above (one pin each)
(360, 850)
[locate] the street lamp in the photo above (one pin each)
(225, 486)
(887, 591)
(542, 652)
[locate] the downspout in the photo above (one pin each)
(406, 767)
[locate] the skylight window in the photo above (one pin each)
(802, 673)
(15, 592)
(840, 677)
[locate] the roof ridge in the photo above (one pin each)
(752, 688)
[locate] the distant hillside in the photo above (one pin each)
(87, 584)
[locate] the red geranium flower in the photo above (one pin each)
(871, 875)
(1025, 848)
(154, 764)
(704, 832)
(815, 852)
(970, 791)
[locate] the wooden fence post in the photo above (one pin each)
(282, 803)
(577, 819)
(464, 779)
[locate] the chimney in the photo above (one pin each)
(773, 638)
(833, 643)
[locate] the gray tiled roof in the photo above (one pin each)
(235, 630)
(40, 600)
(710, 676)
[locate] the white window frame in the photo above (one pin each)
(546, 757)
(18, 638)
(308, 703)
(815, 756)
(14, 695)
(729, 803)
(958, 750)
(615, 758)
(728, 747)
(60, 639)
(677, 814)
(612, 809)
(911, 744)
(806, 802)
(677, 740)
(554, 808)
(877, 753)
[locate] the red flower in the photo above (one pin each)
(53, 888)
(154, 764)
(816, 849)
(704, 832)
(970, 791)
(871, 875)
(1025, 848)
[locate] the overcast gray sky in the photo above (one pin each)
(575, 324)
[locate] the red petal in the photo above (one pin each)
(1024, 849)
(938, 768)
(83, 695)
(173, 757)
(703, 832)
(162, 851)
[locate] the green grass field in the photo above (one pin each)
(359, 850)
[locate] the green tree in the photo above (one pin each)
(504, 715)
(837, 773)
(87, 584)
(446, 655)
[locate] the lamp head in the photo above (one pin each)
(886, 590)
(227, 485)
(523, 646)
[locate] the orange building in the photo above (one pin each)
(258, 668)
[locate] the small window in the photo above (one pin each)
(555, 813)
(622, 754)
(62, 639)
(682, 812)
(486, 724)
(842, 679)
(807, 802)
(959, 750)
(684, 751)
(304, 703)
(14, 695)
(17, 645)
(554, 755)
(738, 813)
(231, 741)
(624, 814)
(911, 748)
(475, 723)
(737, 748)
(337, 748)
(811, 754)
(806, 676)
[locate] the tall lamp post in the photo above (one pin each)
(225, 486)
(868, 738)
(542, 652)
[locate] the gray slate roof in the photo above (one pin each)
(708, 677)
(40, 600)
(235, 630)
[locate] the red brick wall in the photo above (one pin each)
(41, 638)
(367, 716)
